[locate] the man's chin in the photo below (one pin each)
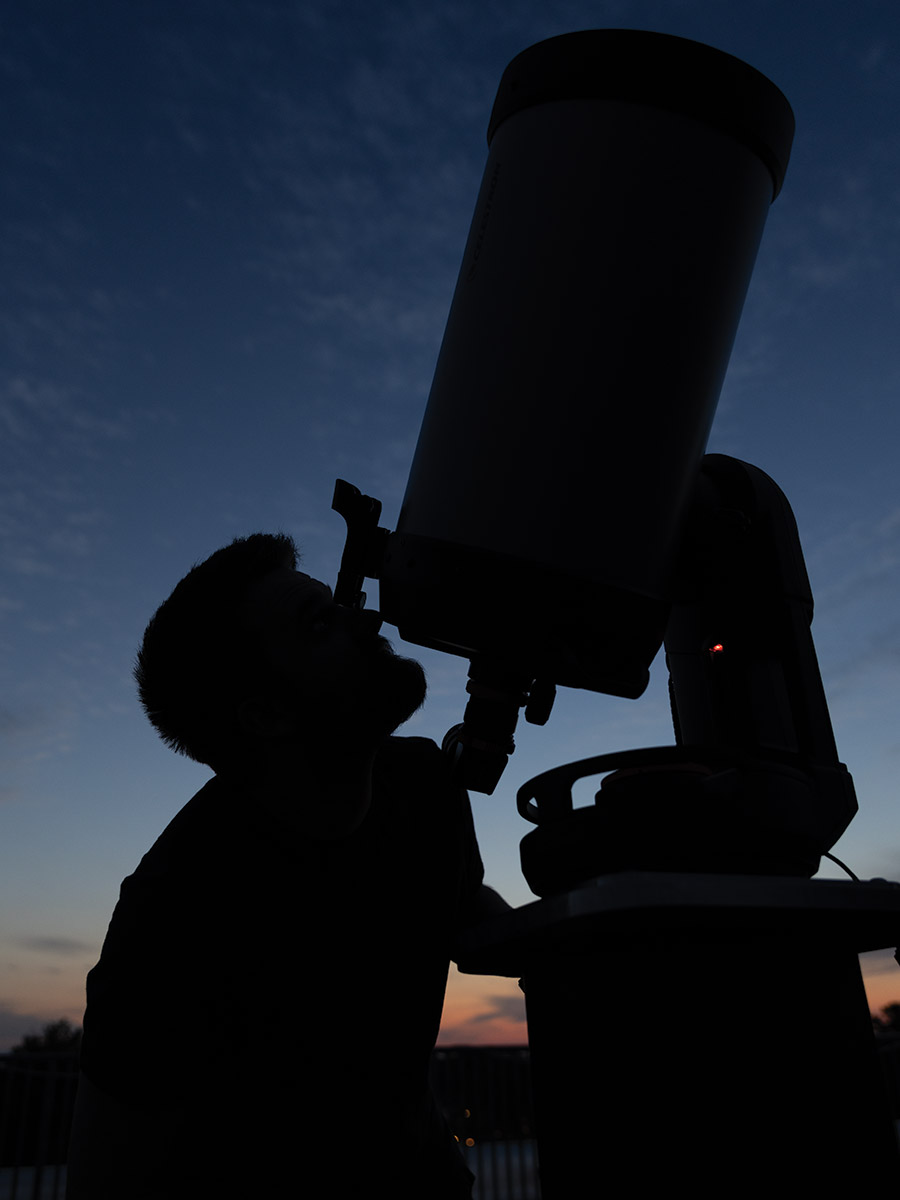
(369, 707)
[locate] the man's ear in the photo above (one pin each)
(263, 719)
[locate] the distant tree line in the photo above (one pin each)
(888, 1020)
(59, 1036)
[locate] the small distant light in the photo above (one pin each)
(717, 648)
(470, 1141)
(467, 1113)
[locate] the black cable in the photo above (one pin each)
(843, 866)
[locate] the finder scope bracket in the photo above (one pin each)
(364, 547)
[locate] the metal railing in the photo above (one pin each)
(485, 1092)
(37, 1096)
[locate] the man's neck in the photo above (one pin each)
(322, 792)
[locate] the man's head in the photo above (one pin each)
(248, 653)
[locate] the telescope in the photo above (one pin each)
(610, 251)
(561, 523)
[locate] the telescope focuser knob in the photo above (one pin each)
(540, 702)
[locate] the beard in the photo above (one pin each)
(358, 702)
(397, 689)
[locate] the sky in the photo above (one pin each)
(231, 233)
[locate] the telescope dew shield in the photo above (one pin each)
(626, 188)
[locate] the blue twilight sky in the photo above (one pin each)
(231, 232)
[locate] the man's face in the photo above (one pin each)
(339, 677)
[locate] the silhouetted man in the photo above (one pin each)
(271, 984)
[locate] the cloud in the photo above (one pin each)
(29, 407)
(21, 725)
(874, 57)
(26, 407)
(49, 509)
(62, 946)
(878, 962)
(11, 722)
(508, 1009)
(858, 565)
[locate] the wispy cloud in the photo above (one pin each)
(503, 1008)
(857, 624)
(875, 56)
(30, 407)
(55, 946)
(849, 231)
(55, 438)
(880, 962)
(496, 1019)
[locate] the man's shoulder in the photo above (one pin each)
(414, 755)
(414, 746)
(194, 833)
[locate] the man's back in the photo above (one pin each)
(277, 997)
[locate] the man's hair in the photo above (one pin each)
(198, 658)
